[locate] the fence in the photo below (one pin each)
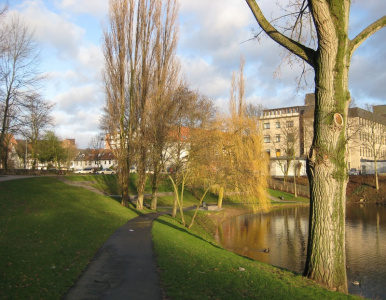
(289, 187)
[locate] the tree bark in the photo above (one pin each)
(142, 178)
(220, 197)
(376, 174)
(326, 164)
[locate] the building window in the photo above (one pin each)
(267, 126)
(277, 124)
(278, 153)
(267, 139)
(268, 152)
(278, 138)
(290, 124)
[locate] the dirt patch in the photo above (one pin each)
(83, 184)
(362, 189)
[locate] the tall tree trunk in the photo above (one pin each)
(175, 204)
(326, 164)
(157, 167)
(141, 178)
(124, 178)
(376, 174)
(154, 189)
(154, 199)
(295, 188)
(220, 197)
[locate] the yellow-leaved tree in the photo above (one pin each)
(230, 156)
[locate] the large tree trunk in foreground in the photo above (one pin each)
(326, 164)
(326, 255)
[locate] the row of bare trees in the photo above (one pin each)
(154, 120)
(23, 110)
(141, 76)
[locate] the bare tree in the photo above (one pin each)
(373, 137)
(96, 144)
(191, 111)
(286, 144)
(158, 74)
(326, 165)
(253, 110)
(19, 77)
(121, 62)
(139, 49)
(36, 118)
(161, 106)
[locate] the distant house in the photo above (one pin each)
(94, 158)
(175, 149)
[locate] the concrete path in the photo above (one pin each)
(124, 267)
(13, 177)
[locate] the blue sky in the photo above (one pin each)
(211, 43)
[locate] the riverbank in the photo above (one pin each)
(193, 266)
(360, 188)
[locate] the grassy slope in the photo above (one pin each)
(48, 233)
(288, 196)
(109, 183)
(193, 267)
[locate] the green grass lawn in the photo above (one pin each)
(48, 233)
(288, 196)
(194, 267)
(109, 183)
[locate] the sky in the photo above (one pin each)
(213, 36)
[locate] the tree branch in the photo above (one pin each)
(305, 53)
(366, 33)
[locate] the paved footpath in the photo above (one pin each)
(124, 267)
(14, 177)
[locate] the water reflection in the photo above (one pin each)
(284, 232)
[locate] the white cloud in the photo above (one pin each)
(73, 64)
(53, 31)
(82, 98)
(94, 7)
(213, 35)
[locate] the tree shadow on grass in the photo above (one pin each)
(185, 230)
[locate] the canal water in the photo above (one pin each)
(285, 232)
